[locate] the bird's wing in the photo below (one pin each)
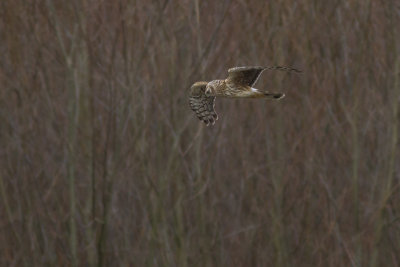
(201, 104)
(244, 75)
(249, 75)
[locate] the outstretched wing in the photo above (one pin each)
(249, 75)
(244, 75)
(201, 104)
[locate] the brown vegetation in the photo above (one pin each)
(102, 162)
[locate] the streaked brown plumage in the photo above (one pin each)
(201, 104)
(238, 84)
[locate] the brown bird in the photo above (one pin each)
(239, 84)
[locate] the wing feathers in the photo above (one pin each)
(249, 75)
(201, 104)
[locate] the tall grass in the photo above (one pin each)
(103, 163)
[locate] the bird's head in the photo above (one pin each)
(210, 89)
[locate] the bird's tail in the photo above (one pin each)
(255, 93)
(274, 95)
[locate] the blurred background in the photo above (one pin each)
(102, 162)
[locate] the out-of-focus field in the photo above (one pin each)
(102, 163)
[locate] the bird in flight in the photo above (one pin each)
(238, 84)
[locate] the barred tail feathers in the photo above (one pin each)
(264, 94)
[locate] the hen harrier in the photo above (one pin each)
(239, 84)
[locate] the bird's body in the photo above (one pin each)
(239, 84)
(226, 88)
